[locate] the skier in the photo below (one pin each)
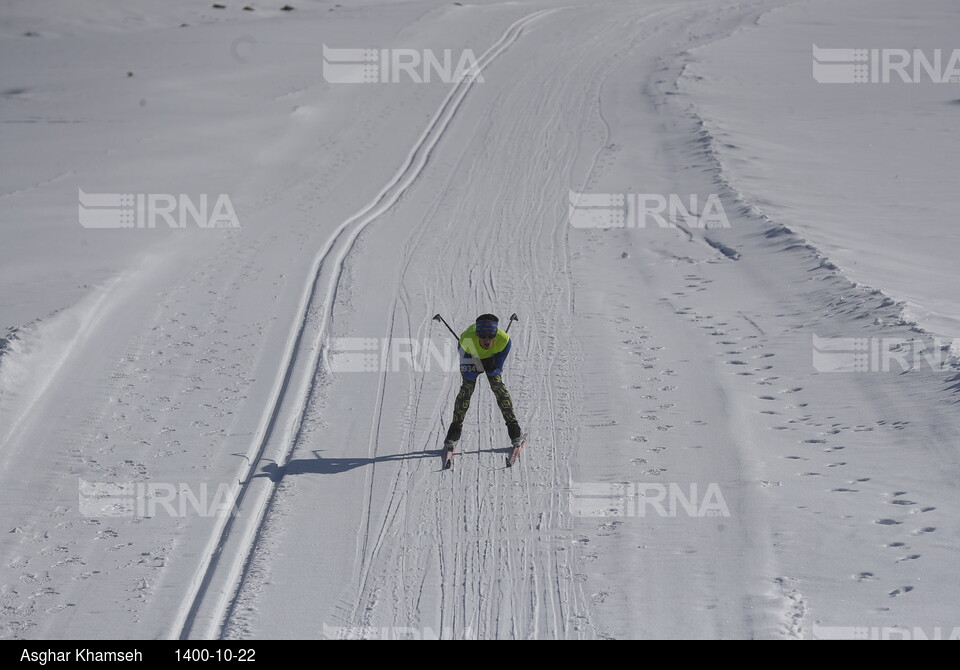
(483, 348)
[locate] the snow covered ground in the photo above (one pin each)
(719, 445)
(862, 171)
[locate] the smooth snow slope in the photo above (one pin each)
(867, 172)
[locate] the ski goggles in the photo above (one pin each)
(486, 329)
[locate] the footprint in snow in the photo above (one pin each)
(900, 591)
(911, 557)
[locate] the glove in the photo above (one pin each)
(489, 364)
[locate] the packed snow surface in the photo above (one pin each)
(234, 430)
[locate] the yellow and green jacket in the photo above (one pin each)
(474, 359)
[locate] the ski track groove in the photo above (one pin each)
(413, 166)
(416, 162)
(530, 575)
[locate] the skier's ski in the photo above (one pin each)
(515, 454)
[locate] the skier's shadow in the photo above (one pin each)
(334, 466)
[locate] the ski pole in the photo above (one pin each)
(437, 317)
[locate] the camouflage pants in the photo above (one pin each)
(462, 403)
